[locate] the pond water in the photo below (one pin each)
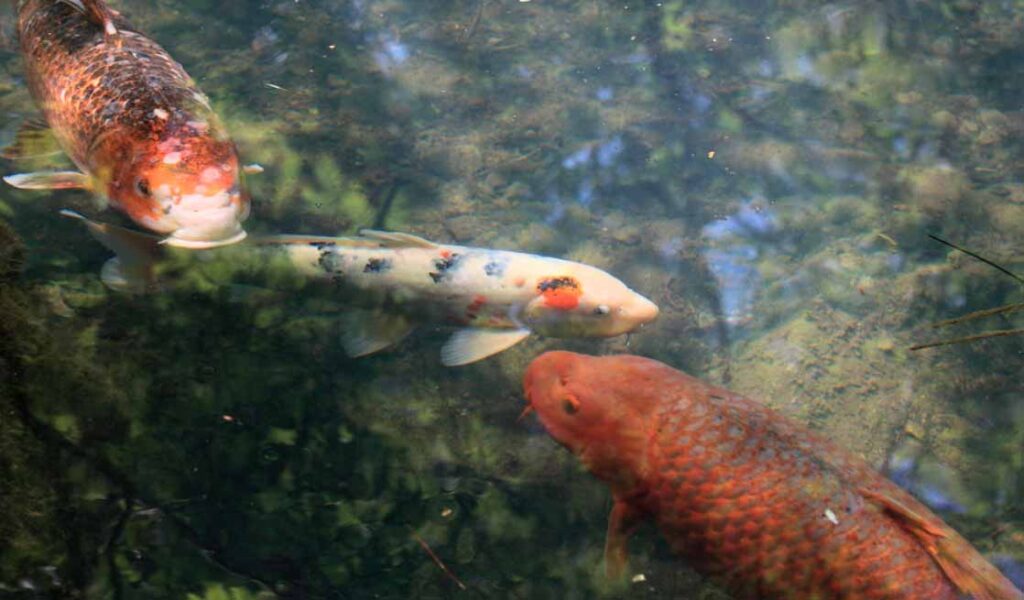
(767, 173)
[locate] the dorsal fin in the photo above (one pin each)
(314, 240)
(962, 564)
(97, 12)
(368, 238)
(394, 239)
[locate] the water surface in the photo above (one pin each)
(768, 173)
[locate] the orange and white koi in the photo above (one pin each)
(398, 280)
(128, 115)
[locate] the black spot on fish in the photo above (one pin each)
(377, 265)
(495, 268)
(331, 262)
(444, 267)
(554, 283)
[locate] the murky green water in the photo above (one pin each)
(767, 173)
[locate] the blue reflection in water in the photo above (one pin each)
(732, 257)
(609, 151)
(557, 209)
(1013, 570)
(389, 53)
(904, 473)
(700, 102)
(580, 157)
(600, 156)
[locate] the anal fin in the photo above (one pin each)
(965, 567)
(368, 332)
(473, 344)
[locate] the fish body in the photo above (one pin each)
(747, 496)
(128, 115)
(496, 297)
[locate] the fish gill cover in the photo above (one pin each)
(767, 175)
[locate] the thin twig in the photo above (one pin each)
(110, 549)
(385, 207)
(52, 438)
(978, 256)
(971, 338)
(437, 560)
(476, 21)
(988, 312)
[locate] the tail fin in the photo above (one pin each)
(958, 559)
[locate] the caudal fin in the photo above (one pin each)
(958, 559)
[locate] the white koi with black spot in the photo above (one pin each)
(396, 281)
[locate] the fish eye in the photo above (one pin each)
(570, 405)
(142, 187)
(602, 309)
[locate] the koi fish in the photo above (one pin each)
(398, 280)
(747, 496)
(143, 136)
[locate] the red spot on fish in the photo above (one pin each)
(562, 293)
(474, 307)
(446, 254)
(519, 282)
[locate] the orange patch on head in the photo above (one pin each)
(562, 293)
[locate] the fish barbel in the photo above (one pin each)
(394, 281)
(128, 115)
(747, 496)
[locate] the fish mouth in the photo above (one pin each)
(207, 221)
(183, 241)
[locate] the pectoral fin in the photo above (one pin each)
(252, 169)
(962, 564)
(137, 254)
(473, 344)
(50, 180)
(368, 332)
(622, 522)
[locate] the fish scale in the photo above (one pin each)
(80, 79)
(142, 135)
(747, 496)
(754, 516)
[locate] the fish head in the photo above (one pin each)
(188, 187)
(600, 408)
(582, 301)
